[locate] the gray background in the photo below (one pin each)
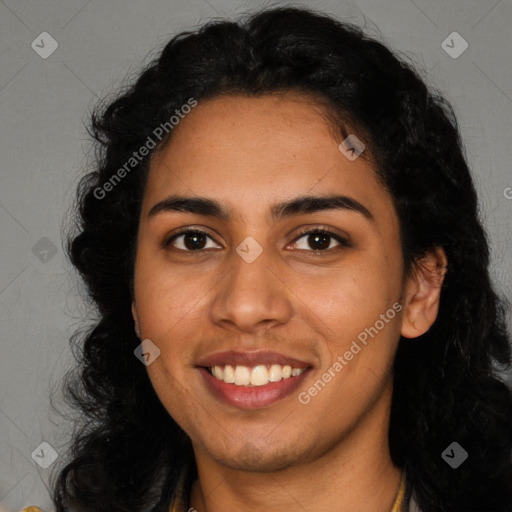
(44, 150)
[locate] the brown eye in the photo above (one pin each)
(320, 240)
(191, 240)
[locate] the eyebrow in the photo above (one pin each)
(280, 211)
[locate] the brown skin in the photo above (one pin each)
(249, 153)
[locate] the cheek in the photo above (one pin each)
(168, 305)
(357, 315)
(356, 311)
(355, 294)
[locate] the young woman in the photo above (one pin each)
(282, 240)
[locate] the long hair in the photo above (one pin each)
(127, 453)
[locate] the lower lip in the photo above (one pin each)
(252, 397)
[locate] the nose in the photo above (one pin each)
(252, 296)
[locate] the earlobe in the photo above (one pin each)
(422, 293)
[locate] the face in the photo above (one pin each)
(250, 290)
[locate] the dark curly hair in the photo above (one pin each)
(127, 453)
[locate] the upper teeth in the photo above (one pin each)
(256, 376)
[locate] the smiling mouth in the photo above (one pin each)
(253, 376)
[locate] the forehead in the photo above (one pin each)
(251, 151)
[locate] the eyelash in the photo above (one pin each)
(308, 231)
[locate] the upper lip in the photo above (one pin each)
(250, 359)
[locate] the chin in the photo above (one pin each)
(259, 459)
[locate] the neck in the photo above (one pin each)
(355, 474)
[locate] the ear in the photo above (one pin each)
(422, 292)
(136, 319)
